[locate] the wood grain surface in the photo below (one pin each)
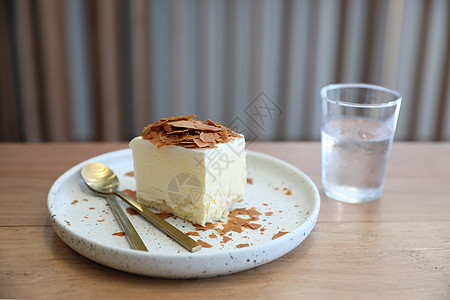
(397, 246)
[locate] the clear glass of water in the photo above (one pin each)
(358, 126)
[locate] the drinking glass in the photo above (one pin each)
(358, 126)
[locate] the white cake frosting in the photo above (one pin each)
(195, 184)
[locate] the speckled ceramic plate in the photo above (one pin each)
(287, 200)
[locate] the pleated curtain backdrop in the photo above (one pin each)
(102, 70)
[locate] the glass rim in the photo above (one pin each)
(334, 86)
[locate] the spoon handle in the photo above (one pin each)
(131, 233)
(161, 224)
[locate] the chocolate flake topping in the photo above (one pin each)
(186, 132)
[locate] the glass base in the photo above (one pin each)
(352, 195)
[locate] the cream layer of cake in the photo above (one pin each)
(195, 184)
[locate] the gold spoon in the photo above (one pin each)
(103, 180)
(133, 237)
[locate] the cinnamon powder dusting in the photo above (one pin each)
(186, 132)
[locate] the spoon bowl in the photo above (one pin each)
(103, 181)
(99, 178)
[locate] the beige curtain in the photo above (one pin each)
(102, 70)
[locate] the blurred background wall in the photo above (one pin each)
(101, 70)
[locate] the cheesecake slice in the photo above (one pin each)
(192, 169)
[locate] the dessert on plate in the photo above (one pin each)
(190, 168)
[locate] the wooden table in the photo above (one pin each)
(396, 247)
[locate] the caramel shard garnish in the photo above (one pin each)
(131, 211)
(167, 127)
(176, 131)
(194, 233)
(130, 193)
(200, 143)
(183, 124)
(178, 118)
(204, 244)
(119, 233)
(253, 212)
(278, 234)
(207, 226)
(209, 137)
(164, 214)
(226, 239)
(254, 225)
(186, 132)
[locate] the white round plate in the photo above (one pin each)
(286, 198)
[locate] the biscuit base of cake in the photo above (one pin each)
(199, 218)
